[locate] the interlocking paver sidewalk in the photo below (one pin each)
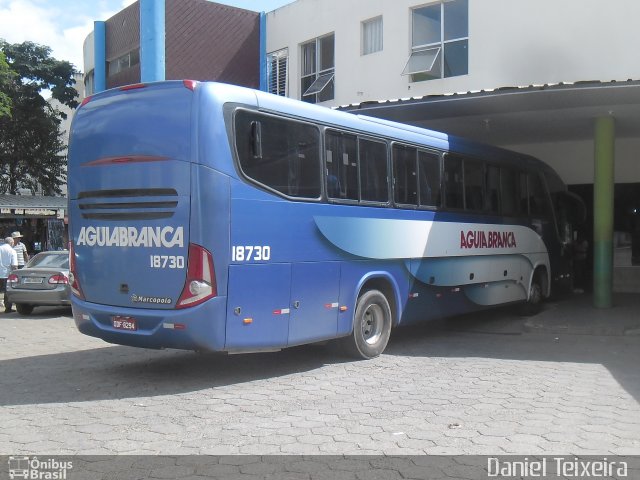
(475, 390)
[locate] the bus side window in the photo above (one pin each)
(510, 192)
(523, 193)
(538, 200)
(342, 168)
(492, 189)
(281, 154)
(453, 187)
(372, 157)
(429, 170)
(473, 185)
(405, 177)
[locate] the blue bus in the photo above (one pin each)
(212, 217)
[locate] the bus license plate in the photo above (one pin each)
(124, 323)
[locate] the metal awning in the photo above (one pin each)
(518, 115)
(32, 206)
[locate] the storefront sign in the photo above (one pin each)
(39, 211)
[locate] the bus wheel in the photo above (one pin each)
(534, 303)
(371, 326)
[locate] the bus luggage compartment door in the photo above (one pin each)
(258, 306)
(315, 289)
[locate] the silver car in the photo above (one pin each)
(44, 281)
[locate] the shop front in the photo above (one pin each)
(41, 220)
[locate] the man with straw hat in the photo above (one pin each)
(20, 248)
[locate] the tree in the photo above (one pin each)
(6, 77)
(30, 141)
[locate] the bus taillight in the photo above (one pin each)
(200, 284)
(133, 86)
(73, 276)
(190, 84)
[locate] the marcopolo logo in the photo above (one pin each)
(166, 237)
(33, 468)
(157, 300)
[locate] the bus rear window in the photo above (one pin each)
(149, 121)
(281, 154)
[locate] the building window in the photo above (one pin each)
(124, 62)
(439, 41)
(277, 72)
(318, 69)
(372, 36)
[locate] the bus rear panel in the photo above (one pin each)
(142, 275)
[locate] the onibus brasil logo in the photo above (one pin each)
(33, 468)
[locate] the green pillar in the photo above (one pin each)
(603, 184)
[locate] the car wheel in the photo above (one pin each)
(24, 308)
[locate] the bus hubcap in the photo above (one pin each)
(372, 322)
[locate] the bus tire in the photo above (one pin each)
(533, 305)
(371, 326)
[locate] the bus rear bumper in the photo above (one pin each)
(197, 328)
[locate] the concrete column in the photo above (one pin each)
(152, 36)
(603, 185)
(99, 57)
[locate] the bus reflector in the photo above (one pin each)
(247, 321)
(73, 273)
(174, 326)
(200, 284)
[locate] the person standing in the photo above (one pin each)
(20, 248)
(8, 262)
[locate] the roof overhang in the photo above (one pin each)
(519, 115)
(32, 202)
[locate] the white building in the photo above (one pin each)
(555, 79)
(476, 44)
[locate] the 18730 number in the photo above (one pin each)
(166, 261)
(251, 253)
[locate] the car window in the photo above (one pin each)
(54, 260)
